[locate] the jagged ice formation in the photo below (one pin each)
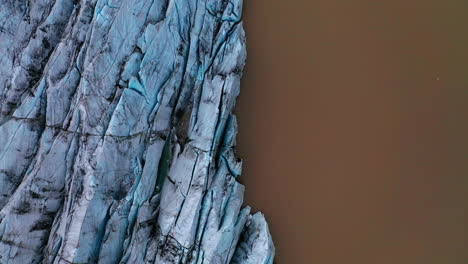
(117, 135)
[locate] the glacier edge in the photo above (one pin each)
(118, 134)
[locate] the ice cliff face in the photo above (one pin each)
(117, 135)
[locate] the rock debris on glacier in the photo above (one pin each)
(117, 135)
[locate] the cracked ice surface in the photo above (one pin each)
(117, 135)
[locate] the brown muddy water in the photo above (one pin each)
(354, 129)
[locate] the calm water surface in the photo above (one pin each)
(354, 129)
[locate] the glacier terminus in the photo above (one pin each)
(117, 134)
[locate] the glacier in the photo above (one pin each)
(117, 134)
